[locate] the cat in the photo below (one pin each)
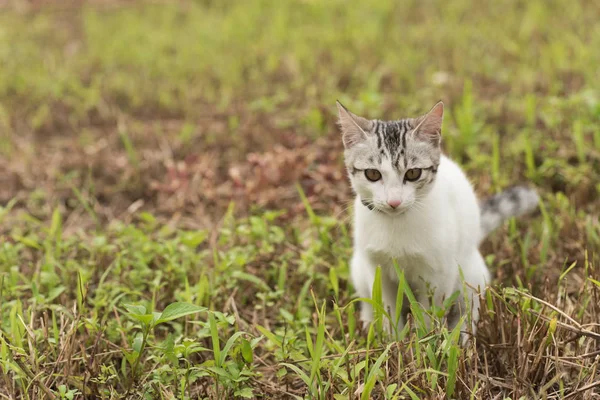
(414, 206)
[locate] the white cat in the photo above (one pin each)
(416, 207)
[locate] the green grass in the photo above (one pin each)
(174, 216)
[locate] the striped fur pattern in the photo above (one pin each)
(397, 144)
(513, 202)
(392, 148)
(392, 138)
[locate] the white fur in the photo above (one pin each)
(431, 237)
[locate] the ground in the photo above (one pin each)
(175, 216)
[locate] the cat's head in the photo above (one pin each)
(392, 164)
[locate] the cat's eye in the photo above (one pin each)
(413, 174)
(373, 175)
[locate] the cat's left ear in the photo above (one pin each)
(429, 126)
(354, 128)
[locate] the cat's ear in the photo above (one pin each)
(429, 126)
(354, 128)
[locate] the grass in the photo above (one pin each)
(174, 216)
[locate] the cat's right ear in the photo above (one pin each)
(354, 128)
(429, 126)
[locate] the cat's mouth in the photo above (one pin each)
(386, 211)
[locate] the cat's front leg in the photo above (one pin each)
(362, 273)
(389, 294)
(362, 268)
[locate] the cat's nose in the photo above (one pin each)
(394, 203)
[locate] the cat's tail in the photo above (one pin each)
(513, 202)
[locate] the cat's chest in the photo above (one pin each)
(416, 257)
(396, 241)
(405, 262)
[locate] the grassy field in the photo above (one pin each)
(174, 212)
